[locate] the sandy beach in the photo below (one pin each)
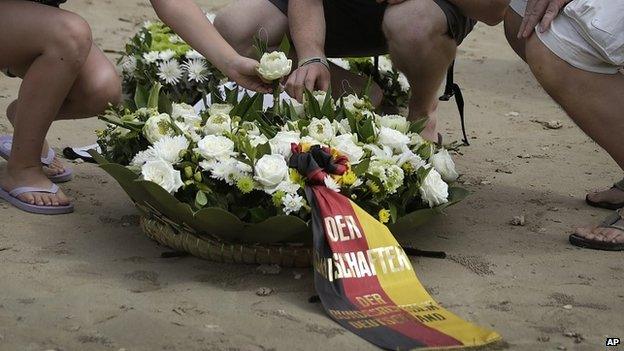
(92, 281)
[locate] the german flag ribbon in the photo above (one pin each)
(367, 283)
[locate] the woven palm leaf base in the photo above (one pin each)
(218, 251)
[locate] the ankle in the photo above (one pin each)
(21, 171)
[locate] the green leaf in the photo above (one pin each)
(277, 229)
(394, 212)
(164, 104)
(154, 94)
(99, 159)
(361, 167)
(141, 95)
(419, 125)
(263, 149)
(284, 45)
(313, 107)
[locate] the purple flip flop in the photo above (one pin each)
(6, 143)
(11, 197)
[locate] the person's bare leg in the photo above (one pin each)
(57, 43)
(598, 111)
(423, 51)
(512, 26)
(97, 85)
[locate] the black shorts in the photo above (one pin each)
(353, 27)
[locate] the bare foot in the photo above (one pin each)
(33, 177)
(613, 196)
(56, 167)
(606, 235)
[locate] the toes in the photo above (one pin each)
(27, 198)
(38, 199)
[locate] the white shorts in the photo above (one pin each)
(565, 41)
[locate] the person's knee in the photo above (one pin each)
(229, 26)
(402, 31)
(104, 88)
(71, 39)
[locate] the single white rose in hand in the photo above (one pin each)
(433, 190)
(162, 173)
(274, 65)
(443, 163)
(270, 171)
(215, 147)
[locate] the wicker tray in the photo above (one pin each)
(219, 251)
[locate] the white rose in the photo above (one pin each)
(216, 109)
(342, 127)
(185, 113)
(256, 140)
(157, 127)
(271, 170)
(215, 147)
(320, 96)
(345, 144)
(353, 103)
(416, 139)
(393, 138)
(403, 82)
(395, 122)
(321, 130)
(169, 148)
(443, 163)
(434, 190)
(274, 65)
(218, 124)
(162, 173)
(281, 143)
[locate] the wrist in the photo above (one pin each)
(314, 60)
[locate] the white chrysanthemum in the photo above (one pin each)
(147, 24)
(197, 70)
(383, 153)
(443, 163)
(271, 170)
(150, 57)
(385, 64)
(142, 157)
(391, 175)
(321, 130)
(274, 65)
(216, 109)
(175, 39)
(162, 173)
(403, 82)
(393, 138)
(169, 148)
(158, 126)
(230, 170)
(292, 203)
(288, 186)
(170, 72)
(396, 122)
(128, 65)
(193, 55)
(433, 190)
(215, 147)
(331, 184)
(345, 144)
(166, 55)
(342, 63)
(414, 160)
(281, 143)
(218, 124)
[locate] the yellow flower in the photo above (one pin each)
(295, 176)
(384, 216)
(305, 147)
(407, 167)
(373, 187)
(245, 185)
(349, 178)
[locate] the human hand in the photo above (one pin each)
(542, 12)
(313, 76)
(243, 71)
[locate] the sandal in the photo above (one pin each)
(614, 221)
(11, 197)
(608, 205)
(6, 143)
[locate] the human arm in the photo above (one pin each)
(306, 21)
(190, 23)
(541, 12)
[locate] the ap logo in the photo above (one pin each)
(613, 342)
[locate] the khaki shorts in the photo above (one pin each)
(565, 41)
